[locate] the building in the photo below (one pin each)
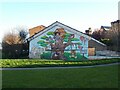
(115, 30)
(59, 41)
(35, 30)
(88, 32)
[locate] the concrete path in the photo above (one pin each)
(100, 57)
(59, 67)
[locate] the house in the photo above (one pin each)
(59, 41)
(95, 46)
(106, 28)
(35, 30)
(115, 30)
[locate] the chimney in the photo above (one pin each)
(89, 31)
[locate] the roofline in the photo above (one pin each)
(53, 24)
(98, 41)
(36, 27)
(74, 29)
(68, 27)
(40, 31)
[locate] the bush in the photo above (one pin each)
(45, 63)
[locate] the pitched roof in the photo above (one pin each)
(55, 24)
(62, 25)
(106, 27)
(98, 41)
(36, 29)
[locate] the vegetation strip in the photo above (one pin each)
(32, 63)
(70, 67)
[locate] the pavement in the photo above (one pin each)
(101, 57)
(39, 68)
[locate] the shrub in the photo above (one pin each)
(44, 63)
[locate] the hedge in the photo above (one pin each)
(4, 63)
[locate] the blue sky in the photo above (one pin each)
(79, 14)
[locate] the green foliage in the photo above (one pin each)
(44, 63)
(50, 33)
(44, 37)
(106, 41)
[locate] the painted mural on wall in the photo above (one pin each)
(62, 45)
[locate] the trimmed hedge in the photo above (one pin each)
(4, 63)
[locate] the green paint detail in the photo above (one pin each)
(40, 42)
(52, 41)
(44, 44)
(46, 55)
(65, 40)
(67, 35)
(74, 39)
(50, 33)
(77, 57)
(44, 37)
(79, 43)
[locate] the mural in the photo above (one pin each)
(62, 45)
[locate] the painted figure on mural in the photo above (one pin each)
(73, 54)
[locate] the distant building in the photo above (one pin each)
(115, 29)
(35, 30)
(89, 31)
(106, 28)
(104, 31)
(115, 26)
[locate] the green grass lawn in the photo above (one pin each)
(95, 77)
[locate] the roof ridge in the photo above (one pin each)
(61, 24)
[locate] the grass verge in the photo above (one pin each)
(96, 77)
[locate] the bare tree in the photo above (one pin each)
(15, 36)
(11, 38)
(23, 35)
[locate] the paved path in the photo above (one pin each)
(101, 57)
(58, 67)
